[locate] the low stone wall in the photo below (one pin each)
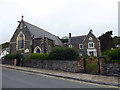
(69, 66)
(111, 69)
(8, 61)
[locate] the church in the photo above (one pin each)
(29, 38)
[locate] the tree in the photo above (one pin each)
(106, 41)
(116, 41)
(5, 45)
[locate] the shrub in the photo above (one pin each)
(10, 56)
(38, 56)
(63, 53)
(112, 55)
(13, 56)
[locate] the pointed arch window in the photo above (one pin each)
(37, 49)
(20, 40)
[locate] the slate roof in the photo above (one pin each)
(39, 33)
(77, 39)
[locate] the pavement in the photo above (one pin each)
(97, 79)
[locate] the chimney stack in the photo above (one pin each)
(91, 30)
(69, 35)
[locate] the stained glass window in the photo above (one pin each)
(20, 40)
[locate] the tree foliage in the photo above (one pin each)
(64, 40)
(106, 41)
(116, 40)
(112, 55)
(5, 45)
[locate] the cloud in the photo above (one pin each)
(60, 16)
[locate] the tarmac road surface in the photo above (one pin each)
(18, 79)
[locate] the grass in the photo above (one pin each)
(91, 65)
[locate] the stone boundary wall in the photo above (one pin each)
(8, 61)
(68, 66)
(111, 69)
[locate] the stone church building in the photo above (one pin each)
(28, 38)
(86, 44)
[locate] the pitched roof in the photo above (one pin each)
(77, 39)
(39, 33)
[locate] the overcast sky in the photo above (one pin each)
(60, 17)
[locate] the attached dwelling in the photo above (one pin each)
(86, 44)
(29, 38)
(4, 52)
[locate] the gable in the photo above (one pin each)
(91, 37)
(17, 31)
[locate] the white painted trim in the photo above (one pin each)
(91, 43)
(17, 41)
(70, 46)
(90, 38)
(37, 47)
(92, 50)
(80, 45)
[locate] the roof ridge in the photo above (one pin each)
(40, 28)
(79, 36)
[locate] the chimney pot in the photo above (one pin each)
(69, 35)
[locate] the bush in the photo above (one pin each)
(13, 56)
(38, 56)
(112, 55)
(63, 53)
(10, 56)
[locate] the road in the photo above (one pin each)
(17, 79)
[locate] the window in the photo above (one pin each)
(81, 46)
(91, 45)
(90, 38)
(20, 40)
(91, 53)
(70, 46)
(37, 49)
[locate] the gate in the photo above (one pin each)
(92, 66)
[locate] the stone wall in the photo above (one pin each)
(8, 61)
(69, 66)
(111, 69)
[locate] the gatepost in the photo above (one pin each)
(100, 61)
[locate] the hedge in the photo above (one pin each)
(64, 53)
(38, 56)
(112, 55)
(13, 56)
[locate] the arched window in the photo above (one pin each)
(37, 49)
(20, 40)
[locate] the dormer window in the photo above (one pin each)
(91, 45)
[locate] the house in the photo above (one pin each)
(117, 46)
(86, 44)
(4, 52)
(29, 38)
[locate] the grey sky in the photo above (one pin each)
(60, 17)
